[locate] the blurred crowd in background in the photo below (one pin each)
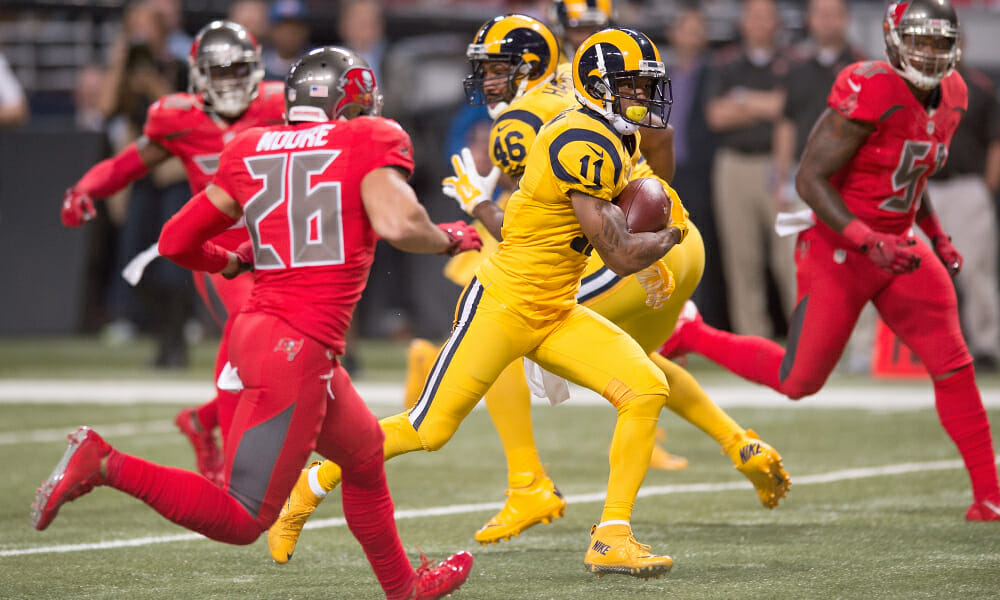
(749, 78)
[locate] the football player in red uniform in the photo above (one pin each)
(229, 97)
(316, 194)
(864, 173)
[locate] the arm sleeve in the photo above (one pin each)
(184, 238)
(113, 174)
(587, 162)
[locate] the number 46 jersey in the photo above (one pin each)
(884, 180)
(300, 188)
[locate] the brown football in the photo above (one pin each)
(645, 204)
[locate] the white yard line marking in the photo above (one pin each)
(874, 396)
(456, 509)
(13, 438)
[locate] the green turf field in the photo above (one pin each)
(875, 509)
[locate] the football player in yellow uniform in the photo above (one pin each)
(531, 497)
(522, 301)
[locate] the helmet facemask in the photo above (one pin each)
(227, 76)
(495, 90)
(923, 51)
(633, 99)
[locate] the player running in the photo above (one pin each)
(316, 195)
(228, 97)
(511, 70)
(864, 173)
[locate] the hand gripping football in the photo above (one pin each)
(645, 204)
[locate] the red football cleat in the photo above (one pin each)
(207, 454)
(77, 473)
(445, 578)
(984, 510)
(688, 319)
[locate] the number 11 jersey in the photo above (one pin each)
(300, 188)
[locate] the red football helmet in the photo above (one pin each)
(328, 83)
(922, 40)
(226, 68)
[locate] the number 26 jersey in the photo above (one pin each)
(300, 189)
(884, 180)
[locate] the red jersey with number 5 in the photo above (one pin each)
(300, 188)
(884, 180)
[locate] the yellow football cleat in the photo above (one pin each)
(538, 502)
(285, 532)
(761, 464)
(420, 358)
(613, 549)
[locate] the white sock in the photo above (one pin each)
(314, 482)
(617, 522)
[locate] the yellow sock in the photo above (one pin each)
(420, 358)
(509, 403)
(631, 447)
(690, 402)
(400, 438)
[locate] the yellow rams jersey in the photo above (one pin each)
(537, 267)
(514, 130)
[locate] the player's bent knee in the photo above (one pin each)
(797, 390)
(647, 405)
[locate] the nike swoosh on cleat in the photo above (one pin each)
(991, 506)
(288, 556)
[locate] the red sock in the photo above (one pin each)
(183, 497)
(368, 510)
(753, 358)
(962, 415)
(208, 415)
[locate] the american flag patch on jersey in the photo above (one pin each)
(318, 91)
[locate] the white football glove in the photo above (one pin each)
(467, 186)
(658, 282)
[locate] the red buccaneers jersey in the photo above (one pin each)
(884, 180)
(179, 123)
(300, 188)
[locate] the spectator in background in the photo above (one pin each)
(288, 39)
(178, 41)
(13, 103)
(252, 14)
(362, 29)
(88, 115)
(815, 66)
(694, 148)
(143, 70)
(963, 193)
(745, 98)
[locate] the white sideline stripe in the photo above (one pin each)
(874, 396)
(457, 509)
(57, 435)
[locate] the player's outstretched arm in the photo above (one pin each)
(624, 253)
(398, 217)
(107, 177)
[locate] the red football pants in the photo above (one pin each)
(833, 286)
(296, 399)
(223, 298)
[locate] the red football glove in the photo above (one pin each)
(244, 254)
(942, 243)
(890, 252)
(77, 208)
(462, 237)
